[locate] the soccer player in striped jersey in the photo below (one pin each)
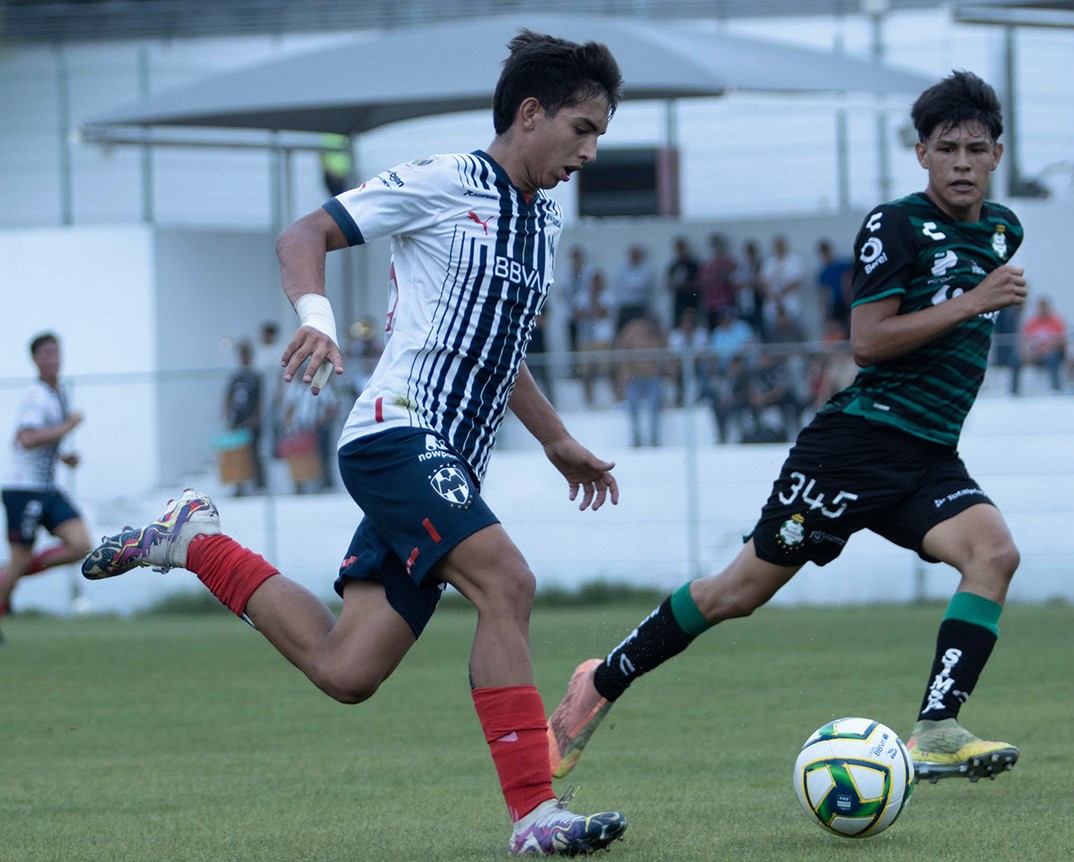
(932, 272)
(474, 237)
(32, 498)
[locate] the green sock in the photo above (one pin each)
(686, 612)
(975, 609)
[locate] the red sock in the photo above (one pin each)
(513, 720)
(41, 561)
(231, 572)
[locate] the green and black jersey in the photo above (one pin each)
(910, 249)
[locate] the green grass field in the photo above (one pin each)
(183, 738)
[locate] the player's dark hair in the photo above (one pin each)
(555, 72)
(41, 340)
(961, 97)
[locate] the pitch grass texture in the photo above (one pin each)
(188, 739)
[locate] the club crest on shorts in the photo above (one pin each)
(452, 484)
(791, 532)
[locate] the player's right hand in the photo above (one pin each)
(1002, 287)
(319, 353)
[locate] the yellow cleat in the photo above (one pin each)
(943, 749)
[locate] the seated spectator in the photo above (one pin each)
(787, 336)
(642, 377)
(730, 338)
(774, 406)
(688, 336)
(727, 392)
(1044, 344)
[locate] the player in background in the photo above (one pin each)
(932, 272)
(32, 499)
(473, 244)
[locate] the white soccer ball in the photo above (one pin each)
(853, 777)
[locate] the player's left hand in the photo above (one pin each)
(321, 351)
(585, 473)
(71, 459)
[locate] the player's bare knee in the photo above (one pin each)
(345, 686)
(509, 594)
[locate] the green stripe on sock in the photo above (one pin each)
(687, 614)
(975, 609)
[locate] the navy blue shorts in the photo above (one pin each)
(846, 474)
(420, 500)
(28, 509)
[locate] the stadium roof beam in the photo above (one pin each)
(1056, 14)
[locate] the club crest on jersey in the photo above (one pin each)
(452, 484)
(999, 241)
(791, 532)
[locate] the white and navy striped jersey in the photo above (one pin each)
(35, 469)
(472, 263)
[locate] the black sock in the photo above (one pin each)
(658, 638)
(962, 650)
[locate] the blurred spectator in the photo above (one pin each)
(1005, 336)
(1044, 344)
(833, 279)
(783, 274)
(788, 337)
(574, 291)
(363, 350)
(336, 163)
(309, 430)
(833, 367)
(268, 354)
(716, 280)
(749, 287)
(729, 339)
(729, 399)
(682, 281)
(688, 336)
(633, 286)
(775, 408)
(537, 359)
(242, 411)
(642, 377)
(596, 332)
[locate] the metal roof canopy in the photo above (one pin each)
(444, 68)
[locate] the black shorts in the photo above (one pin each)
(846, 474)
(420, 500)
(28, 509)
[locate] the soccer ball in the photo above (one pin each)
(853, 777)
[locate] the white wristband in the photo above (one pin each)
(315, 311)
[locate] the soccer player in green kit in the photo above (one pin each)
(931, 272)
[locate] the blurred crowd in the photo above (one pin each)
(759, 335)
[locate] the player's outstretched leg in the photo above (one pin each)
(575, 719)
(162, 544)
(551, 830)
(944, 749)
